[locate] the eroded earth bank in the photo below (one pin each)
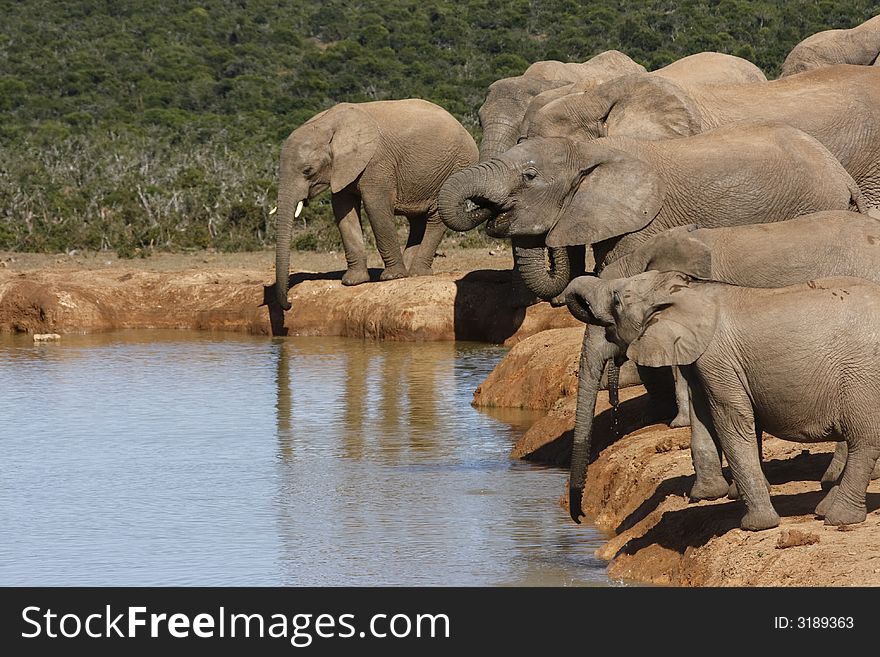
(637, 484)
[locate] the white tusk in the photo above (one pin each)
(299, 208)
(273, 210)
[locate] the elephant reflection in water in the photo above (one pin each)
(284, 402)
(388, 398)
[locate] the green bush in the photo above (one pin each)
(136, 126)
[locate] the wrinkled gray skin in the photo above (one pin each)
(703, 68)
(801, 362)
(502, 112)
(501, 117)
(391, 156)
(858, 45)
(617, 192)
(818, 245)
(504, 117)
(838, 105)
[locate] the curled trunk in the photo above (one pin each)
(546, 280)
(469, 184)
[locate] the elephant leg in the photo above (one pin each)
(432, 233)
(683, 418)
(414, 239)
(660, 385)
(380, 212)
(733, 493)
(847, 506)
(709, 482)
(347, 210)
(835, 468)
(735, 424)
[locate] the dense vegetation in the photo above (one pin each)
(132, 125)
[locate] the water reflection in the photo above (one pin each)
(157, 458)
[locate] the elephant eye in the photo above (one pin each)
(602, 128)
(530, 174)
(616, 297)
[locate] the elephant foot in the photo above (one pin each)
(733, 492)
(356, 276)
(827, 502)
(420, 270)
(845, 513)
(393, 273)
(755, 521)
(683, 419)
(708, 490)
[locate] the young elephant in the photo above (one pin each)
(800, 361)
(392, 155)
(822, 244)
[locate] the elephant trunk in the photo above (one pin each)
(531, 259)
(590, 368)
(290, 203)
(463, 186)
(614, 394)
(498, 136)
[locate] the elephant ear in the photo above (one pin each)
(352, 146)
(616, 194)
(679, 250)
(649, 106)
(679, 324)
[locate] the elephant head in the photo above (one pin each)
(621, 315)
(330, 150)
(501, 115)
(682, 249)
(639, 105)
(859, 45)
(553, 193)
(665, 318)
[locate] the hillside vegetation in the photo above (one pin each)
(132, 126)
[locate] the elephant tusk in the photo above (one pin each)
(273, 210)
(299, 209)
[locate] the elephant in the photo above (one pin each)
(838, 105)
(615, 193)
(502, 112)
(800, 362)
(822, 244)
(703, 68)
(392, 156)
(858, 45)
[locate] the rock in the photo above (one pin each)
(794, 537)
(448, 306)
(46, 337)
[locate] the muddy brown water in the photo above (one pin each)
(185, 458)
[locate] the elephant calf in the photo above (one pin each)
(800, 361)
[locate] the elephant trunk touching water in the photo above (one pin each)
(292, 194)
(487, 185)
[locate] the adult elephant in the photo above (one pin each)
(702, 68)
(616, 192)
(392, 156)
(508, 99)
(838, 105)
(858, 45)
(822, 244)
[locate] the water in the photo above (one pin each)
(183, 458)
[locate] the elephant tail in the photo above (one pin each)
(856, 198)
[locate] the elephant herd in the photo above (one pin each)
(718, 229)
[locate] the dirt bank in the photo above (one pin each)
(637, 484)
(96, 292)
